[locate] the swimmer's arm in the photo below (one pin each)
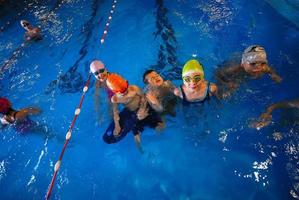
(20, 115)
(97, 96)
(154, 102)
(27, 36)
(223, 74)
(274, 76)
(115, 110)
(283, 105)
(267, 115)
(143, 110)
(170, 85)
(117, 127)
(227, 71)
(227, 81)
(143, 101)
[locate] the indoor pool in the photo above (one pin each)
(206, 152)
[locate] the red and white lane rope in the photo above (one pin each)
(108, 22)
(77, 111)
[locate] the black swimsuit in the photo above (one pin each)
(206, 97)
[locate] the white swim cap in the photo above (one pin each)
(254, 54)
(96, 65)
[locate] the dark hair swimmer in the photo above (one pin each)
(254, 64)
(266, 118)
(11, 116)
(32, 33)
(254, 59)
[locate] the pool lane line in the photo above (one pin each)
(77, 112)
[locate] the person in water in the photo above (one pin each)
(159, 92)
(266, 117)
(254, 64)
(32, 33)
(195, 88)
(17, 117)
(136, 113)
(98, 69)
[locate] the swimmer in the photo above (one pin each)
(98, 69)
(159, 92)
(32, 33)
(136, 113)
(12, 116)
(195, 88)
(266, 118)
(254, 64)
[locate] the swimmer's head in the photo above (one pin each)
(193, 67)
(5, 105)
(152, 78)
(25, 24)
(254, 58)
(192, 74)
(98, 69)
(117, 84)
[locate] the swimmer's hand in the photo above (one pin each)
(116, 130)
(263, 121)
(154, 102)
(259, 124)
(142, 113)
(227, 90)
(160, 126)
(152, 98)
(276, 78)
(34, 111)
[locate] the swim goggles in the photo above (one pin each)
(258, 63)
(25, 24)
(255, 48)
(100, 71)
(195, 78)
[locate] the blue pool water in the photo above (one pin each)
(203, 153)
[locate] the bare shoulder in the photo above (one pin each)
(134, 88)
(114, 99)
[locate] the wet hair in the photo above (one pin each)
(146, 73)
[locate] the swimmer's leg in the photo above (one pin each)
(137, 140)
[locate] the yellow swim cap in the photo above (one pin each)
(192, 66)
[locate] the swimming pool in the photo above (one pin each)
(210, 154)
